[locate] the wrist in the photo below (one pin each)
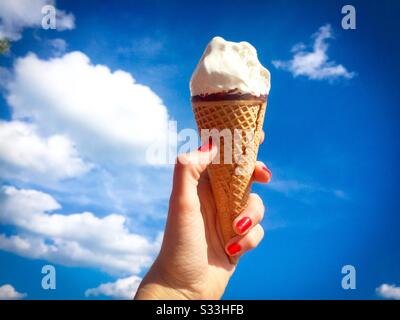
(155, 286)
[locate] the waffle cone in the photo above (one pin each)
(231, 182)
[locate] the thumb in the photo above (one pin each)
(188, 169)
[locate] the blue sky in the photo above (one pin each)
(332, 143)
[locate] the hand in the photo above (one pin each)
(193, 262)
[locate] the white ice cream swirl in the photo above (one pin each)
(230, 67)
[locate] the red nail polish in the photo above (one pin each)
(266, 169)
(269, 173)
(243, 224)
(206, 147)
(233, 248)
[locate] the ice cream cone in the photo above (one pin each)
(228, 90)
(231, 181)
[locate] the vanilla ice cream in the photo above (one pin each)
(230, 68)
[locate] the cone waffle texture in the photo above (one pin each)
(231, 181)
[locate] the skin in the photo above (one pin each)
(193, 262)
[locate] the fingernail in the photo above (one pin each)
(243, 224)
(269, 173)
(233, 248)
(206, 147)
(266, 169)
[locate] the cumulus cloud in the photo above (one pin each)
(124, 288)
(107, 114)
(24, 154)
(17, 15)
(315, 64)
(8, 292)
(104, 121)
(79, 239)
(73, 119)
(388, 291)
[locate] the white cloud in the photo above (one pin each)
(302, 189)
(105, 118)
(17, 15)
(315, 64)
(79, 239)
(107, 114)
(24, 154)
(58, 45)
(288, 186)
(388, 291)
(124, 288)
(297, 187)
(109, 121)
(8, 292)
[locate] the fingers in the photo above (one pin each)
(247, 226)
(261, 173)
(250, 216)
(189, 167)
(195, 162)
(238, 245)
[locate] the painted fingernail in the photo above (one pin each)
(206, 147)
(233, 248)
(266, 169)
(269, 173)
(243, 225)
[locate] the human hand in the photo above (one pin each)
(193, 262)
